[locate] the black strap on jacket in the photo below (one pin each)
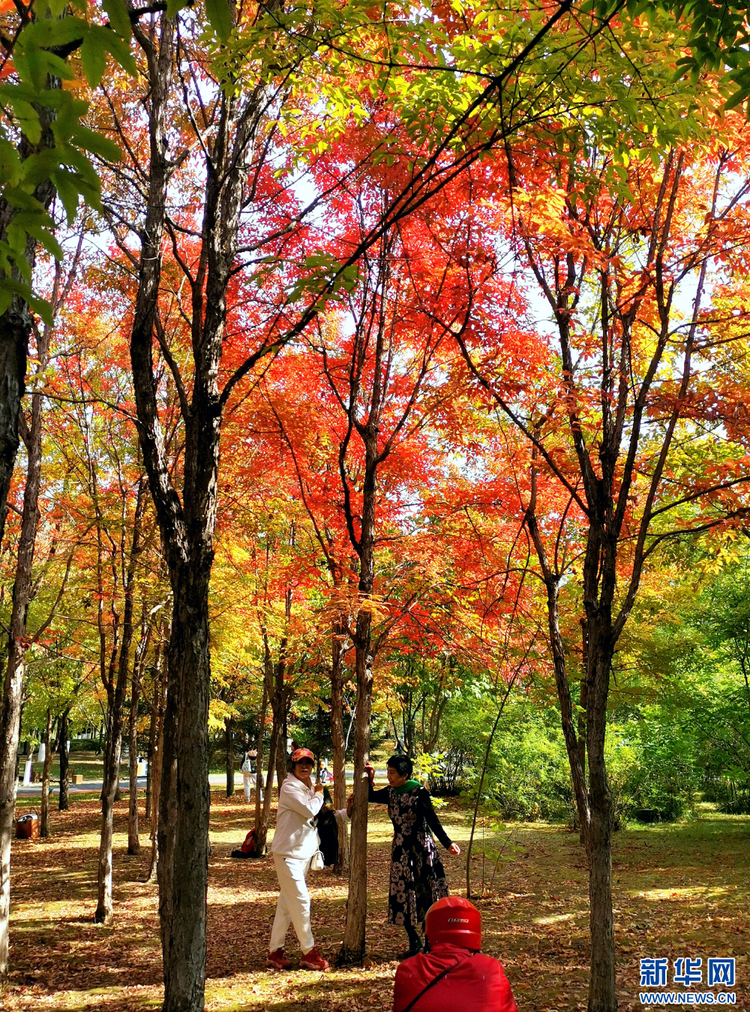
(433, 982)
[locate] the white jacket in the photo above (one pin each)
(295, 834)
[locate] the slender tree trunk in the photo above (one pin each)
(354, 943)
(116, 700)
(112, 750)
(134, 844)
(260, 804)
(229, 755)
(339, 742)
(155, 763)
(261, 825)
(64, 800)
(480, 788)
(157, 711)
(337, 714)
(44, 827)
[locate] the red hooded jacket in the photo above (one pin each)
(475, 983)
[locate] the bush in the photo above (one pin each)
(652, 768)
(445, 771)
(651, 762)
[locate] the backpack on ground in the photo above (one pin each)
(248, 847)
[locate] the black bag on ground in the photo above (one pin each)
(328, 834)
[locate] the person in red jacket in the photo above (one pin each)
(454, 974)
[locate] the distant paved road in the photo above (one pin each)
(89, 786)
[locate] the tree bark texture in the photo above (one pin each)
(18, 643)
(156, 757)
(154, 728)
(184, 799)
(63, 802)
(338, 738)
(134, 843)
(354, 944)
(15, 327)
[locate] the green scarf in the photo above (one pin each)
(408, 786)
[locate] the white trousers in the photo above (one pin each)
(248, 782)
(294, 903)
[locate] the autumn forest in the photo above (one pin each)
(374, 376)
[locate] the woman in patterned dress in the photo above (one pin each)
(417, 876)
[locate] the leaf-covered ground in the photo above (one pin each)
(679, 891)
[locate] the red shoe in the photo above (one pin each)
(313, 960)
(278, 961)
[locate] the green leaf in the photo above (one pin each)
(118, 17)
(97, 144)
(737, 99)
(219, 17)
(46, 239)
(175, 6)
(49, 33)
(94, 61)
(68, 193)
(42, 308)
(117, 48)
(28, 120)
(10, 163)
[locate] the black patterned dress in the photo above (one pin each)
(417, 876)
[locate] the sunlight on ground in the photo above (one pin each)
(554, 920)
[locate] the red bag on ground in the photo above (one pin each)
(248, 847)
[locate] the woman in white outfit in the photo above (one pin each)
(295, 842)
(248, 774)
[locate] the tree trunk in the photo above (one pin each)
(229, 755)
(157, 714)
(15, 327)
(134, 844)
(260, 806)
(116, 701)
(12, 696)
(64, 800)
(184, 795)
(44, 826)
(337, 714)
(155, 763)
(354, 943)
(341, 866)
(602, 994)
(281, 757)
(109, 792)
(262, 819)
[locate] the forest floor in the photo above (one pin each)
(680, 891)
